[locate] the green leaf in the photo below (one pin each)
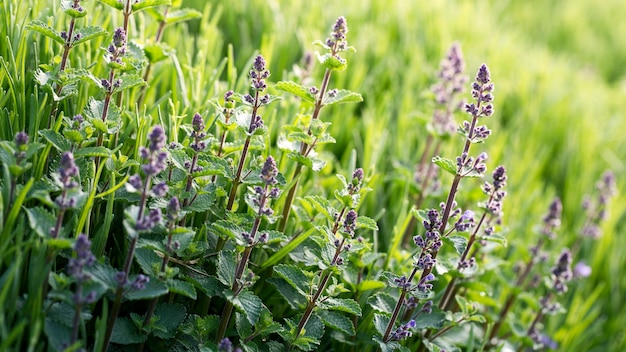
(337, 321)
(93, 152)
(148, 260)
(130, 81)
(125, 332)
(297, 90)
(156, 52)
(368, 285)
(144, 4)
(458, 242)
(293, 296)
(182, 15)
(496, 238)
(153, 289)
(288, 248)
(226, 266)
(363, 222)
(56, 139)
(311, 162)
(247, 302)
(41, 220)
(113, 3)
(89, 33)
(295, 277)
(382, 302)
(46, 30)
(170, 315)
(67, 7)
(446, 164)
(202, 203)
(347, 305)
(332, 62)
(104, 274)
(322, 205)
(434, 320)
(182, 288)
(380, 323)
(342, 96)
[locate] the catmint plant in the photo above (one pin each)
(154, 162)
(262, 195)
(551, 222)
(76, 269)
(436, 223)
(492, 208)
(66, 180)
(560, 274)
(224, 119)
(314, 134)
(258, 75)
(451, 84)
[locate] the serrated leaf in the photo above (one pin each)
(247, 303)
(129, 81)
(347, 305)
(93, 152)
(113, 3)
(182, 15)
(446, 164)
(125, 332)
(293, 296)
(382, 302)
(363, 222)
(153, 289)
(435, 320)
(202, 203)
(380, 323)
(332, 62)
(458, 242)
(56, 139)
(311, 162)
(295, 277)
(496, 238)
(68, 8)
(337, 321)
(41, 220)
(170, 315)
(89, 33)
(144, 4)
(46, 30)
(322, 205)
(288, 248)
(342, 96)
(58, 334)
(182, 288)
(226, 266)
(103, 274)
(148, 260)
(156, 52)
(296, 89)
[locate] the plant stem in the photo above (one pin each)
(303, 151)
(146, 74)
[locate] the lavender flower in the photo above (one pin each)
(451, 83)
(349, 223)
(153, 155)
(117, 48)
(148, 222)
(173, 209)
(581, 270)
(552, 220)
(258, 74)
(562, 272)
(84, 258)
(140, 282)
(197, 133)
(337, 42)
(403, 331)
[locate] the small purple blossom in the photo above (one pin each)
(148, 222)
(84, 258)
(337, 42)
(562, 272)
(160, 189)
(552, 220)
(173, 209)
(140, 282)
(403, 331)
(258, 74)
(269, 171)
(349, 223)
(424, 283)
(582, 270)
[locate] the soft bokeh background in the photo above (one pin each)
(559, 68)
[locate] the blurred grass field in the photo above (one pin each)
(560, 72)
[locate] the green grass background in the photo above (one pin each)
(559, 69)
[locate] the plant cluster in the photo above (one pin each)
(123, 231)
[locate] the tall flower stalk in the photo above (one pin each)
(262, 196)
(76, 269)
(551, 222)
(335, 44)
(466, 166)
(451, 83)
(154, 163)
(258, 74)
